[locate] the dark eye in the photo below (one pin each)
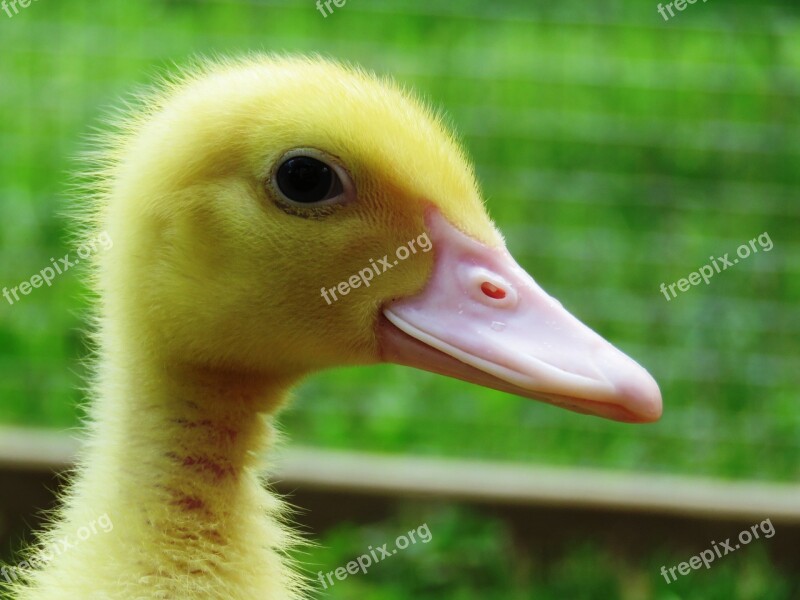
(307, 180)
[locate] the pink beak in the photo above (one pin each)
(483, 319)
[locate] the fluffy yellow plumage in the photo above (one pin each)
(210, 310)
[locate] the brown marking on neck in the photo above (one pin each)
(217, 431)
(190, 503)
(219, 468)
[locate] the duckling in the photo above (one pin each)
(240, 191)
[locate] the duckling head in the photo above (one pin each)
(285, 215)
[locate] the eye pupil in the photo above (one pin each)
(305, 179)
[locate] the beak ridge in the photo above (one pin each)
(487, 321)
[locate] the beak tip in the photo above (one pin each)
(642, 396)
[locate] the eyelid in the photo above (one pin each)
(348, 188)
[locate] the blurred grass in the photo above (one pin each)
(470, 556)
(617, 152)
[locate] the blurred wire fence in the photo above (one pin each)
(617, 151)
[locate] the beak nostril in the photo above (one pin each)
(487, 287)
(493, 291)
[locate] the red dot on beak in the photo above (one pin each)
(493, 291)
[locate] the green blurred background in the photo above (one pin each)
(617, 152)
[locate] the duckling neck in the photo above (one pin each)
(174, 461)
(191, 438)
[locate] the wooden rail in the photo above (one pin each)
(476, 481)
